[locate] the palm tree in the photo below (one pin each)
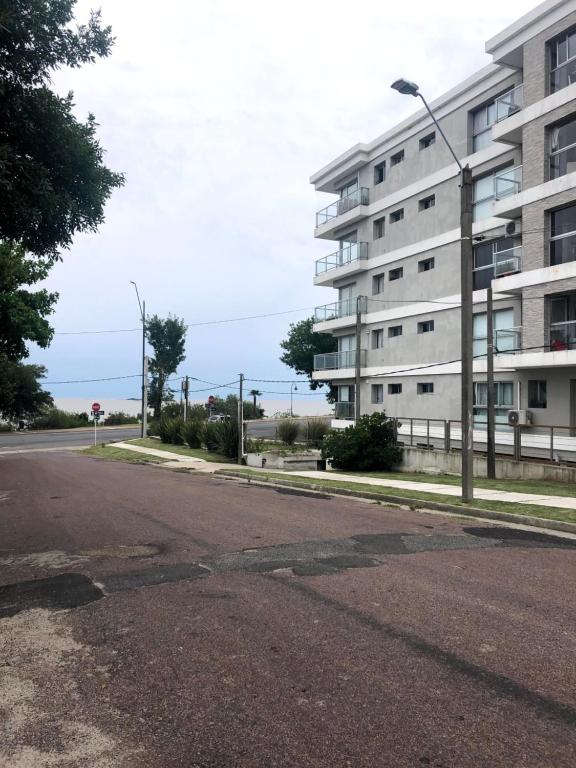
(255, 393)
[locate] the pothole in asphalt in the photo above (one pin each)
(67, 590)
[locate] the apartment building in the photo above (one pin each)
(393, 247)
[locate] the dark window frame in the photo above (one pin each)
(537, 393)
(427, 141)
(397, 158)
(427, 265)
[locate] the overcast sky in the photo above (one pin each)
(218, 113)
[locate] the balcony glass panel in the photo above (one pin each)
(344, 410)
(346, 203)
(508, 182)
(335, 360)
(338, 309)
(509, 103)
(347, 255)
(563, 75)
(563, 336)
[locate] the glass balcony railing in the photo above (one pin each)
(510, 103)
(507, 262)
(563, 75)
(508, 182)
(333, 360)
(563, 336)
(344, 411)
(338, 309)
(347, 255)
(506, 341)
(359, 196)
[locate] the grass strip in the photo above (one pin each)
(122, 454)
(519, 510)
(181, 450)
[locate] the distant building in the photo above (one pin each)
(395, 229)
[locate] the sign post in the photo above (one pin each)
(211, 401)
(96, 416)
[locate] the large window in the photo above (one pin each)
(563, 149)
(537, 397)
(506, 337)
(349, 188)
(503, 401)
(494, 186)
(378, 338)
(563, 322)
(482, 121)
(562, 60)
(563, 235)
(377, 393)
(378, 284)
(379, 173)
(494, 258)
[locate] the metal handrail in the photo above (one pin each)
(508, 182)
(346, 255)
(360, 196)
(510, 103)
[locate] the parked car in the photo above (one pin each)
(218, 417)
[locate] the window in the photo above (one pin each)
(379, 228)
(397, 158)
(379, 173)
(377, 393)
(563, 322)
(394, 330)
(427, 202)
(397, 215)
(394, 389)
(348, 189)
(378, 284)
(485, 191)
(503, 401)
(425, 388)
(537, 393)
(378, 338)
(494, 258)
(427, 141)
(396, 274)
(426, 326)
(563, 235)
(426, 264)
(482, 121)
(563, 149)
(562, 52)
(506, 337)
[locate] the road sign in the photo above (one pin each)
(95, 406)
(211, 400)
(100, 413)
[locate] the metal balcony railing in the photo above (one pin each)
(344, 411)
(507, 262)
(510, 103)
(508, 182)
(338, 309)
(333, 360)
(346, 255)
(360, 196)
(563, 336)
(563, 75)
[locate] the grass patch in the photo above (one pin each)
(181, 450)
(540, 487)
(520, 510)
(122, 454)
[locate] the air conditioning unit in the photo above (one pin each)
(519, 418)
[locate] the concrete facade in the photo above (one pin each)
(407, 218)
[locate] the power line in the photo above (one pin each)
(89, 381)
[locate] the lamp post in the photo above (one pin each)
(466, 254)
(142, 306)
(293, 388)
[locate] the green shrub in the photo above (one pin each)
(315, 431)
(171, 429)
(193, 433)
(153, 428)
(119, 417)
(288, 431)
(227, 432)
(5, 426)
(368, 445)
(54, 418)
(211, 435)
(255, 445)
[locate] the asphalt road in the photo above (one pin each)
(18, 441)
(158, 618)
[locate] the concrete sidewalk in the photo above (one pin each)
(481, 494)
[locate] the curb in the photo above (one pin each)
(507, 517)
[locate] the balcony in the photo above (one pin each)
(508, 262)
(506, 341)
(563, 336)
(335, 360)
(343, 212)
(347, 255)
(563, 76)
(510, 103)
(344, 411)
(507, 188)
(338, 309)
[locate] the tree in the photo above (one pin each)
(53, 182)
(22, 312)
(301, 346)
(254, 394)
(167, 338)
(368, 445)
(21, 395)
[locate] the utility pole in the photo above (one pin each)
(186, 387)
(466, 323)
(241, 420)
(142, 306)
(490, 412)
(357, 358)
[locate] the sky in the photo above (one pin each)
(218, 113)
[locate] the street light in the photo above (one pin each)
(142, 306)
(408, 88)
(293, 388)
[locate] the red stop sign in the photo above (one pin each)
(95, 406)
(211, 399)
